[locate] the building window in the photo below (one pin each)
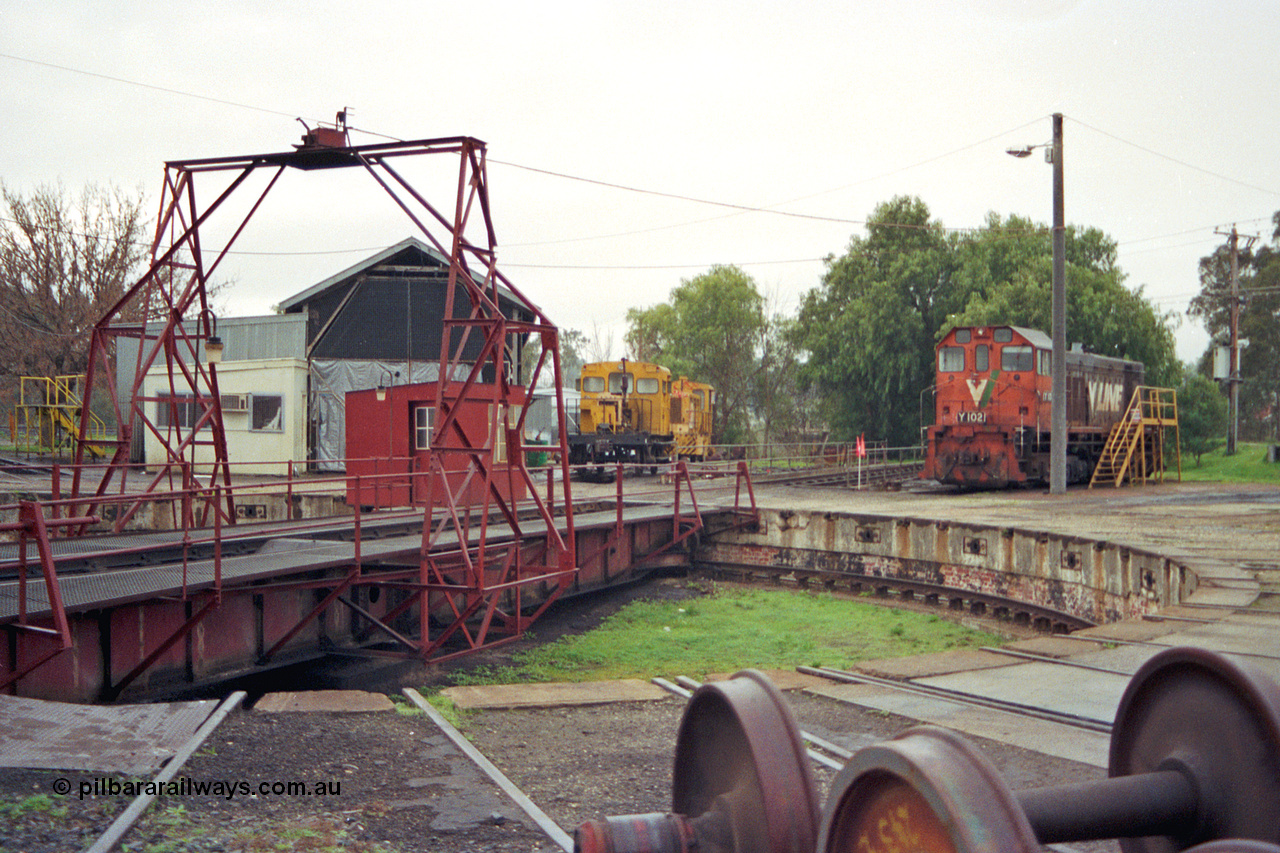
(177, 410)
(500, 440)
(424, 422)
(267, 411)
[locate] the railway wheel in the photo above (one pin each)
(1195, 760)
(927, 790)
(741, 781)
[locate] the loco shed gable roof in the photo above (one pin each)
(433, 256)
(315, 290)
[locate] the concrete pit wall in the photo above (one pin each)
(1096, 581)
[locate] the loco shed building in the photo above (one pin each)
(284, 378)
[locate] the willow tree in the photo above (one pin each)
(712, 331)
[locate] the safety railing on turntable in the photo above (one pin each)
(186, 522)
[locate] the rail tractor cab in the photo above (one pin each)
(993, 384)
(624, 414)
(624, 396)
(692, 418)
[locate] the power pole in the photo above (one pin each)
(1058, 407)
(1233, 369)
(1058, 411)
(1233, 356)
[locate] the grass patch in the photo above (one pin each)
(1248, 465)
(404, 707)
(41, 804)
(733, 629)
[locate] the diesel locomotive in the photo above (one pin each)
(633, 412)
(993, 401)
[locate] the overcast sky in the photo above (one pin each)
(818, 108)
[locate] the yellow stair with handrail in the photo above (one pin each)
(47, 417)
(1135, 447)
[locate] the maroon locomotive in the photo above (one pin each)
(993, 400)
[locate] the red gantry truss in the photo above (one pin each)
(468, 593)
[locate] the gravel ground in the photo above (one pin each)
(392, 782)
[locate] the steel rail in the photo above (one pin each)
(685, 686)
(539, 817)
(959, 697)
(1035, 658)
(875, 474)
(109, 839)
(1152, 644)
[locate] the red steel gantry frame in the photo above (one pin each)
(469, 592)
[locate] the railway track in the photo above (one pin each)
(1039, 617)
(869, 476)
(960, 697)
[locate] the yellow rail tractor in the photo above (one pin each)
(631, 412)
(692, 417)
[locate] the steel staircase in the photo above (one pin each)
(1135, 448)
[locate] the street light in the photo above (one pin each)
(381, 392)
(1058, 418)
(213, 343)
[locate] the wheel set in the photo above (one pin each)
(1194, 765)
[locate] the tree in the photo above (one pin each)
(1102, 313)
(1202, 415)
(710, 331)
(572, 346)
(869, 326)
(785, 409)
(63, 263)
(645, 330)
(1259, 272)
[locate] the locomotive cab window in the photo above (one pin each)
(1003, 336)
(1020, 358)
(647, 386)
(619, 382)
(982, 358)
(963, 336)
(950, 359)
(1046, 362)
(593, 384)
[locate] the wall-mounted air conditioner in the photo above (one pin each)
(235, 402)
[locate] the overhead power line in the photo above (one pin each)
(181, 92)
(738, 209)
(142, 85)
(1182, 163)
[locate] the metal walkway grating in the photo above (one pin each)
(127, 739)
(275, 557)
